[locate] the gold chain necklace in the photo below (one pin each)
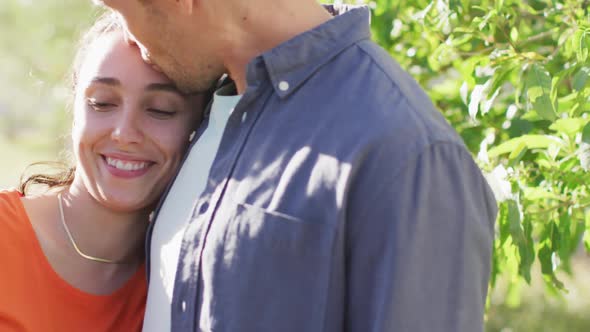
(73, 242)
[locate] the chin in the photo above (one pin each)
(188, 88)
(199, 84)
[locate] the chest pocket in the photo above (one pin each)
(268, 271)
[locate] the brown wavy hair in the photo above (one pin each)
(62, 173)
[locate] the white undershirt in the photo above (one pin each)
(175, 214)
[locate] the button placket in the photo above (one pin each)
(187, 291)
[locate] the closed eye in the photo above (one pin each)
(161, 114)
(99, 106)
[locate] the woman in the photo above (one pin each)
(72, 258)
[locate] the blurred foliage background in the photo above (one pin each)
(512, 76)
(37, 43)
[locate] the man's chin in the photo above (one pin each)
(194, 87)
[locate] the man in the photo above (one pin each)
(325, 192)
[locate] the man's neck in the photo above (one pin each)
(264, 25)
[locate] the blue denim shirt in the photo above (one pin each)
(339, 200)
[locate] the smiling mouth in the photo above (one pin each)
(127, 165)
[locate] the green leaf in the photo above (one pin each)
(497, 263)
(581, 78)
(555, 238)
(513, 218)
(586, 134)
(527, 251)
(566, 165)
(569, 126)
(532, 116)
(521, 234)
(544, 163)
(514, 34)
(578, 233)
(492, 13)
(544, 254)
(517, 154)
(557, 283)
(564, 228)
(502, 74)
(538, 84)
(531, 142)
(579, 47)
(538, 193)
(504, 222)
(419, 16)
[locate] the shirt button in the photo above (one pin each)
(192, 136)
(204, 208)
(183, 306)
(151, 217)
(244, 116)
(284, 86)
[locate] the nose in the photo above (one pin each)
(126, 130)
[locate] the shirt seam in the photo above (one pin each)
(272, 69)
(429, 147)
(403, 96)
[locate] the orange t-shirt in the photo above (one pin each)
(34, 298)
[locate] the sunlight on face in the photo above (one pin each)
(131, 125)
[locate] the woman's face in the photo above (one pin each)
(131, 126)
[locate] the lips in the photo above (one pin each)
(125, 167)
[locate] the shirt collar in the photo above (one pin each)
(294, 61)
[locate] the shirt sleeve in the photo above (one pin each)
(419, 242)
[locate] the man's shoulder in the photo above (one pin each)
(385, 99)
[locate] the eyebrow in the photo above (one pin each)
(168, 87)
(164, 87)
(105, 80)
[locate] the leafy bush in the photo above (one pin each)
(512, 76)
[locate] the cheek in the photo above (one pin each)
(173, 140)
(81, 118)
(88, 129)
(79, 129)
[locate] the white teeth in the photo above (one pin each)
(126, 165)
